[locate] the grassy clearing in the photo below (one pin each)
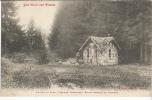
(75, 76)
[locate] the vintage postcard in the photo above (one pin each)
(76, 48)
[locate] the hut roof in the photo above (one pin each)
(100, 42)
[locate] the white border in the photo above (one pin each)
(76, 98)
(0, 44)
(64, 98)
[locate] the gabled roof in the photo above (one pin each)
(100, 42)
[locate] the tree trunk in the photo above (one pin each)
(145, 54)
(151, 55)
(5, 48)
(141, 54)
(151, 48)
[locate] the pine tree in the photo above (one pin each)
(11, 31)
(129, 22)
(36, 43)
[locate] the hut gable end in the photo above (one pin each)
(99, 51)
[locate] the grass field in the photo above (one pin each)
(133, 76)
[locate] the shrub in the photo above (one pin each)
(7, 73)
(27, 79)
(42, 57)
(133, 80)
(19, 57)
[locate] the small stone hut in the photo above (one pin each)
(99, 51)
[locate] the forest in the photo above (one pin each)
(29, 62)
(19, 42)
(129, 22)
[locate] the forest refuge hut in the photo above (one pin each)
(99, 51)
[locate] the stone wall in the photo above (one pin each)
(108, 59)
(92, 55)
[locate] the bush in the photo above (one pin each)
(23, 58)
(133, 80)
(7, 73)
(19, 57)
(53, 58)
(42, 57)
(27, 79)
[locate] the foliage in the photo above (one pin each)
(19, 57)
(16, 40)
(6, 73)
(126, 21)
(12, 35)
(81, 76)
(36, 43)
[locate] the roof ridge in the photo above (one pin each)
(101, 36)
(99, 41)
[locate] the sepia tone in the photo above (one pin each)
(100, 48)
(99, 51)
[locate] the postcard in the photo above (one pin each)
(76, 48)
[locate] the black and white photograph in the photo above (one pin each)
(76, 47)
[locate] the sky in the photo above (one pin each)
(42, 12)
